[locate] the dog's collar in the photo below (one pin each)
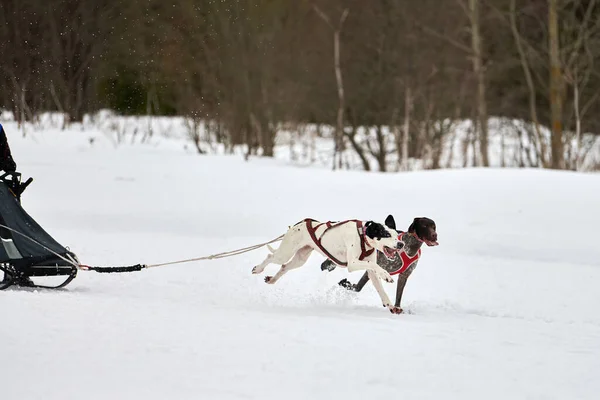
(362, 232)
(418, 238)
(413, 234)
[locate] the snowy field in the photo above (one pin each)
(505, 307)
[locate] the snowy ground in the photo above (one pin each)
(301, 145)
(505, 307)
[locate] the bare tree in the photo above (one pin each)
(556, 82)
(339, 132)
(76, 32)
(408, 106)
(552, 65)
(358, 148)
(578, 59)
(530, 84)
(479, 71)
(22, 52)
(475, 53)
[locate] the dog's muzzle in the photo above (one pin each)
(433, 242)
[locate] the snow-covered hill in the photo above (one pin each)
(505, 307)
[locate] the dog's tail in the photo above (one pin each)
(272, 250)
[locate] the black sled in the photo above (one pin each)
(26, 250)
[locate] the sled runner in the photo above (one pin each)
(26, 249)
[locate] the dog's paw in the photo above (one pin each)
(269, 279)
(383, 274)
(395, 310)
(345, 283)
(256, 270)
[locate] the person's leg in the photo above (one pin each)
(6, 160)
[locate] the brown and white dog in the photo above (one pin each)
(352, 244)
(422, 230)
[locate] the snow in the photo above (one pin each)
(312, 145)
(505, 307)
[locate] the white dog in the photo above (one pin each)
(349, 244)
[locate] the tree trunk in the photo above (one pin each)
(480, 75)
(381, 156)
(337, 160)
(407, 109)
(530, 85)
(397, 139)
(577, 123)
(359, 150)
(268, 142)
(339, 132)
(558, 160)
(472, 143)
(262, 132)
(268, 129)
(22, 107)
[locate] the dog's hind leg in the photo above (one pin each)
(328, 265)
(261, 267)
(292, 241)
(299, 260)
(355, 287)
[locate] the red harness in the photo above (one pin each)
(406, 260)
(330, 225)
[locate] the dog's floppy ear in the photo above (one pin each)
(375, 230)
(413, 226)
(390, 222)
(369, 231)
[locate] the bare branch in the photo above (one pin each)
(528, 79)
(344, 16)
(582, 32)
(589, 103)
(448, 39)
(323, 16)
(530, 48)
(464, 7)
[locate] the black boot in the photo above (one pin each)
(327, 265)
(24, 281)
(345, 283)
(355, 287)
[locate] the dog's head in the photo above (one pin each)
(424, 229)
(383, 238)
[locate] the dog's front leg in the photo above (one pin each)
(399, 289)
(357, 265)
(402, 278)
(385, 300)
